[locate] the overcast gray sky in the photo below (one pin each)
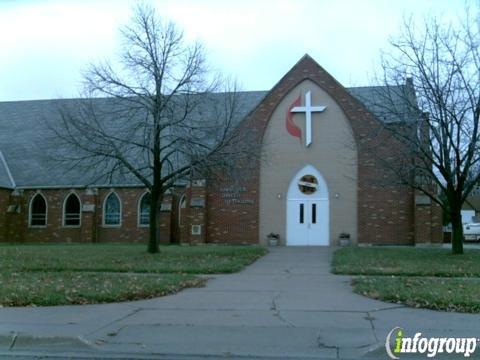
(45, 44)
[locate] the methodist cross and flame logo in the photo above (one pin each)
(308, 109)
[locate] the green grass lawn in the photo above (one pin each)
(448, 294)
(209, 259)
(407, 261)
(427, 278)
(94, 273)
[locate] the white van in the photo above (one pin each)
(471, 231)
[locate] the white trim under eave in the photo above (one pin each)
(79, 186)
(9, 174)
(105, 186)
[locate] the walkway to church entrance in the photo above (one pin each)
(287, 304)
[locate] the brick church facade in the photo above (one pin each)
(308, 193)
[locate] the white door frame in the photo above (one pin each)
(309, 232)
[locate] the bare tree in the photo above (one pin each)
(432, 89)
(161, 118)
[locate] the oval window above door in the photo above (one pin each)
(308, 184)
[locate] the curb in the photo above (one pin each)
(18, 341)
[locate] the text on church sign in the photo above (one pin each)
(236, 195)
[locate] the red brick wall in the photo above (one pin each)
(230, 215)
(88, 224)
(129, 231)
(428, 226)
(385, 215)
(191, 214)
(195, 214)
(14, 222)
(4, 199)
(15, 226)
(54, 231)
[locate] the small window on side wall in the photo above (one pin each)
(112, 210)
(71, 211)
(144, 210)
(38, 211)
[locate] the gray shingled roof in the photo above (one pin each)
(26, 140)
(388, 104)
(30, 146)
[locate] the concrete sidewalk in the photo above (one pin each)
(287, 304)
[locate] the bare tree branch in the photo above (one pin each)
(437, 112)
(156, 115)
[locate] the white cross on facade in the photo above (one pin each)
(308, 109)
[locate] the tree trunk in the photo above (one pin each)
(153, 228)
(457, 231)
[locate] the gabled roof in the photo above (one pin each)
(26, 140)
(30, 146)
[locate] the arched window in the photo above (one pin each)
(112, 210)
(144, 210)
(182, 204)
(38, 211)
(71, 210)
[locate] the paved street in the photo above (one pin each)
(287, 304)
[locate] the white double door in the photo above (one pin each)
(307, 222)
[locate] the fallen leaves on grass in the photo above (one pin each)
(447, 294)
(59, 288)
(57, 274)
(208, 259)
(406, 261)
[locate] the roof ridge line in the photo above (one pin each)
(113, 97)
(374, 86)
(9, 174)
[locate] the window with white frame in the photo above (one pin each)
(71, 211)
(112, 210)
(144, 210)
(182, 204)
(38, 211)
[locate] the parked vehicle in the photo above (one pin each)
(471, 231)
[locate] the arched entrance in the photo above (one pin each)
(308, 209)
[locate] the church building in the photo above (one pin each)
(319, 179)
